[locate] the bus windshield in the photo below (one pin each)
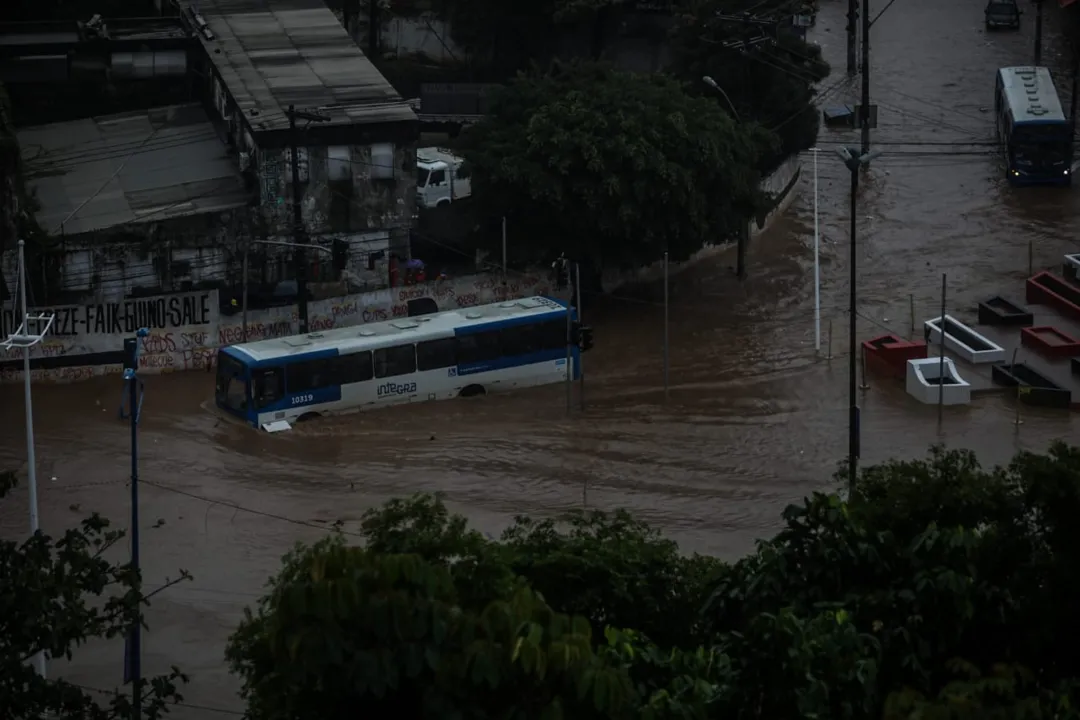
(1038, 147)
(232, 386)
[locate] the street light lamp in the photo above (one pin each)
(855, 161)
(731, 106)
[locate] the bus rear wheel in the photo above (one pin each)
(308, 416)
(472, 391)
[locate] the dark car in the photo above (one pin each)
(1002, 14)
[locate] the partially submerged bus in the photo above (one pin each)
(1035, 134)
(470, 351)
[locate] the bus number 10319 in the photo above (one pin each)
(301, 399)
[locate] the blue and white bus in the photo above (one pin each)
(465, 352)
(1035, 134)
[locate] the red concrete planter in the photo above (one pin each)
(888, 354)
(1049, 341)
(1046, 288)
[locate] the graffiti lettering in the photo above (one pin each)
(345, 309)
(233, 334)
(202, 358)
(374, 314)
(443, 291)
(158, 343)
(318, 324)
(193, 339)
(411, 293)
(484, 282)
(157, 362)
(400, 311)
(467, 300)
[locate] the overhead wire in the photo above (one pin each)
(181, 704)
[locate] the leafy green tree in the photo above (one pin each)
(613, 167)
(346, 628)
(937, 590)
(771, 83)
(55, 595)
(615, 571)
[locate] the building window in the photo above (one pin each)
(382, 162)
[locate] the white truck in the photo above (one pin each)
(440, 179)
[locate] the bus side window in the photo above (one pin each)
(478, 348)
(268, 386)
(308, 375)
(353, 368)
(522, 340)
(393, 361)
(436, 354)
(553, 335)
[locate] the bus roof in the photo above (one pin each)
(383, 334)
(1031, 95)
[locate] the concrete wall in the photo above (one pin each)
(782, 185)
(187, 329)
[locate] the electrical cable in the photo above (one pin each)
(190, 706)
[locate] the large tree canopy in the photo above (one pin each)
(613, 167)
(938, 590)
(56, 594)
(769, 78)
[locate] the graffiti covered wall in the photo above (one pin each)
(186, 330)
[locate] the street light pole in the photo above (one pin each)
(298, 218)
(25, 339)
(854, 161)
(865, 110)
(731, 106)
(744, 227)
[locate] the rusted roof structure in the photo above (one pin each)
(114, 170)
(271, 54)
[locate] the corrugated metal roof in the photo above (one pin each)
(114, 170)
(275, 53)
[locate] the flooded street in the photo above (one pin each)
(754, 420)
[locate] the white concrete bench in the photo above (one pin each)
(922, 382)
(963, 341)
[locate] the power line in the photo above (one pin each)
(251, 511)
(190, 706)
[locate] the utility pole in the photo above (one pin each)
(569, 344)
(300, 256)
(667, 385)
(1072, 100)
(133, 641)
(854, 162)
(244, 282)
(865, 112)
(581, 365)
(852, 15)
(1038, 31)
(23, 338)
(373, 29)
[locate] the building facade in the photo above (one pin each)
(356, 160)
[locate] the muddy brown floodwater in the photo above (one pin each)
(754, 422)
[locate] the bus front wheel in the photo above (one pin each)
(472, 391)
(308, 416)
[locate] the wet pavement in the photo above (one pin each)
(754, 419)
